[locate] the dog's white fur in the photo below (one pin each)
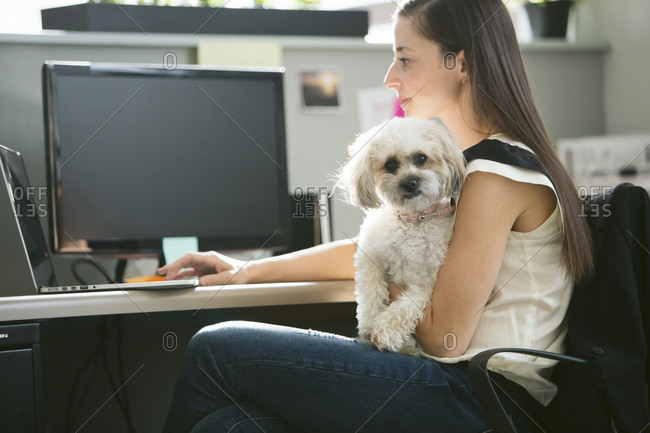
(390, 250)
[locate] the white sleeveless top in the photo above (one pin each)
(527, 306)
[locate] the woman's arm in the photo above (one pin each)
(488, 208)
(331, 261)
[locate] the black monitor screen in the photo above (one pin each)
(139, 153)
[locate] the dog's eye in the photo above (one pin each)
(391, 165)
(420, 159)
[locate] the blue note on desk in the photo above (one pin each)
(177, 247)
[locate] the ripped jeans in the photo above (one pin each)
(251, 377)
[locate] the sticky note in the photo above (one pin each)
(177, 247)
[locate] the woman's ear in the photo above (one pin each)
(461, 67)
(461, 61)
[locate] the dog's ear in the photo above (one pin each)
(356, 176)
(456, 166)
(458, 172)
(451, 155)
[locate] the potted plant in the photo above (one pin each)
(548, 18)
(154, 16)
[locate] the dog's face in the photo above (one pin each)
(408, 164)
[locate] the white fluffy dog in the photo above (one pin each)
(406, 175)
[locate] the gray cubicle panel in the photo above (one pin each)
(566, 79)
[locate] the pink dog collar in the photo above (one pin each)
(425, 215)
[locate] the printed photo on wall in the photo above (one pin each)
(321, 89)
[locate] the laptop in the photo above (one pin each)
(30, 245)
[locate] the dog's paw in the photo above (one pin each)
(386, 339)
(364, 337)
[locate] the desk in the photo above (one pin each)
(75, 325)
(57, 305)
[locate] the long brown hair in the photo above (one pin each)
(502, 98)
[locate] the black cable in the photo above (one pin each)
(107, 326)
(119, 396)
(120, 366)
(71, 414)
(79, 379)
(120, 267)
(73, 268)
(78, 277)
(104, 331)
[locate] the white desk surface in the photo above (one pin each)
(47, 306)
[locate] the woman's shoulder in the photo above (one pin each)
(503, 149)
(515, 174)
(501, 155)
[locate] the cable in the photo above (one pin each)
(107, 326)
(71, 413)
(120, 267)
(120, 366)
(121, 398)
(78, 277)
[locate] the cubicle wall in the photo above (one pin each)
(567, 80)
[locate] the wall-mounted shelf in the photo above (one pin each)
(293, 42)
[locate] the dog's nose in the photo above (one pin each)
(410, 184)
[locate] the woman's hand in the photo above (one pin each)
(212, 269)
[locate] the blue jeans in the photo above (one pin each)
(251, 377)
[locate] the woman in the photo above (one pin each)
(518, 247)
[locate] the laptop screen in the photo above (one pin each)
(28, 214)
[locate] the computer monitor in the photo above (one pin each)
(138, 153)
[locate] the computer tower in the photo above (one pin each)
(21, 394)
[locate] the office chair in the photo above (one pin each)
(603, 379)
